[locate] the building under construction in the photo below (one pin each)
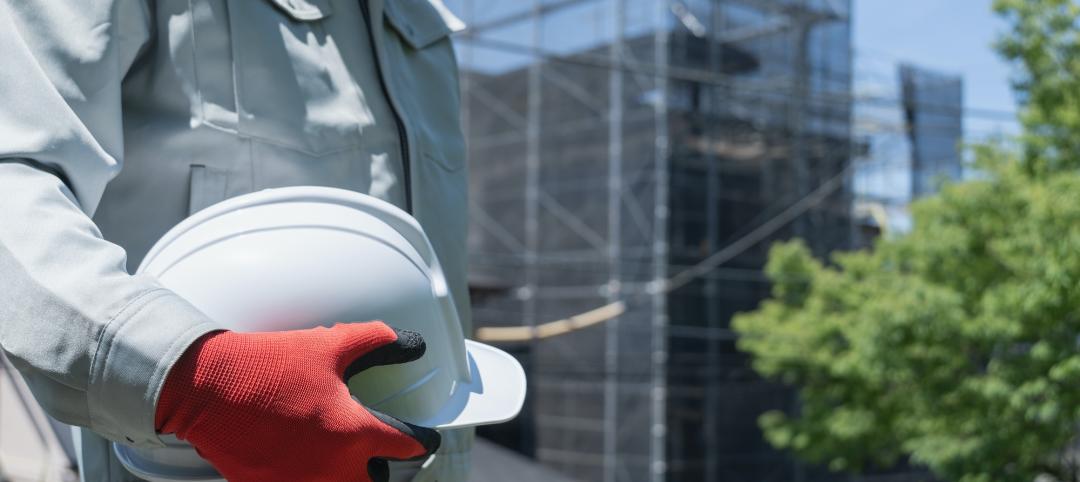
(911, 137)
(639, 156)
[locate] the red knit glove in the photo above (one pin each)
(274, 407)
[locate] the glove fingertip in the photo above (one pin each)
(411, 344)
(406, 347)
(428, 438)
(378, 470)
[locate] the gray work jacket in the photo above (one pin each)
(175, 105)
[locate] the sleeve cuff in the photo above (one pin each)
(134, 355)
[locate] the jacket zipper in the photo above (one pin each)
(406, 161)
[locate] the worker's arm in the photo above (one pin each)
(94, 343)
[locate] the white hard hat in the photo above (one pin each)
(300, 257)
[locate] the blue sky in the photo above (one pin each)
(953, 36)
(950, 35)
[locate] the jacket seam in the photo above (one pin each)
(243, 134)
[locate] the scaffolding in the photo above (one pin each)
(616, 148)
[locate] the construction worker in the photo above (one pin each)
(175, 105)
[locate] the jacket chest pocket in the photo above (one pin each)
(421, 63)
(301, 74)
(292, 85)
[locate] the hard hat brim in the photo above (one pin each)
(494, 393)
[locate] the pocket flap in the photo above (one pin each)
(421, 22)
(304, 10)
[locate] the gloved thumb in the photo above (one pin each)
(366, 345)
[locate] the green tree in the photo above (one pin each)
(956, 346)
(1044, 45)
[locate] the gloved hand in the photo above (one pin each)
(274, 406)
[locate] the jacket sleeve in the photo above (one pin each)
(93, 342)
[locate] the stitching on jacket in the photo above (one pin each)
(272, 142)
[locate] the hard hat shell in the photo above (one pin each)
(300, 257)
